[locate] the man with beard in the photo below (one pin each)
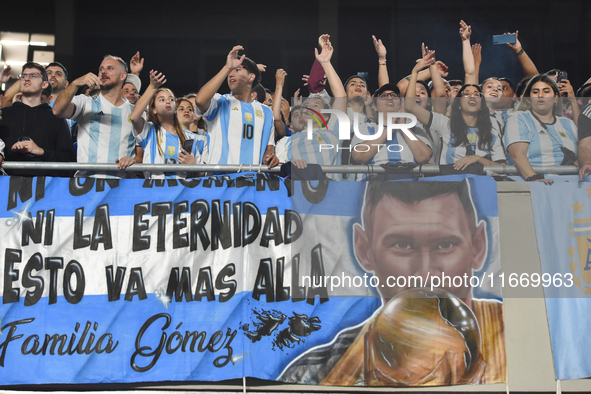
(58, 78)
(104, 128)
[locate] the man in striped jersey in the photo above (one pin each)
(239, 130)
(104, 128)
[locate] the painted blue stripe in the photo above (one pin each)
(94, 130)
(247, 145)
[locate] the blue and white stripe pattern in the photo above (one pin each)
(104, 131)
(282, 149)
(322, 149)
(237, 132)
(170, 145)
(544, 144)
(450, 154)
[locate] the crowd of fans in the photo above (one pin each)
(461, 125)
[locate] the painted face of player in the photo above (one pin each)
(356, 88)
(32, 82)
(492, 90)
(111, 74)
(542, 98)
(185, 113)
(428, 238)
(129, 92)
(164, 104)
(57, 79)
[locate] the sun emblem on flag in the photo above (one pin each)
(580, 230)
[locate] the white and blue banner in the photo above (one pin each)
(562, 215)
(122, 281)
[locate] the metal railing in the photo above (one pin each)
(229, 168)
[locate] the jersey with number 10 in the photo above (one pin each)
(237, 132)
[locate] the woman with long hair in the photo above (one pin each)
(537, 134)
(468, 136)
(162, 136)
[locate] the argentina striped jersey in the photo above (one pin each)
(544, 144)
(104, 131)
(237, 132)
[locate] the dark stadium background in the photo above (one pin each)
(189, 40)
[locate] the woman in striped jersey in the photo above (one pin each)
(537, 134)
(162, 137)
(468, 135)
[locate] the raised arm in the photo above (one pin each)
(467, 56)
(208, 90)
(12, 90)
(438, 70)
(63, 106)
(410, 103)
(383, 77)
(280, 128)
(156, 80)
(424, 75)
(528, 66)
(567, 90)
(136, 64)
(477, 54)
(336, 86)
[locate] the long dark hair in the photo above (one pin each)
(459, 128)
(152, 117)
